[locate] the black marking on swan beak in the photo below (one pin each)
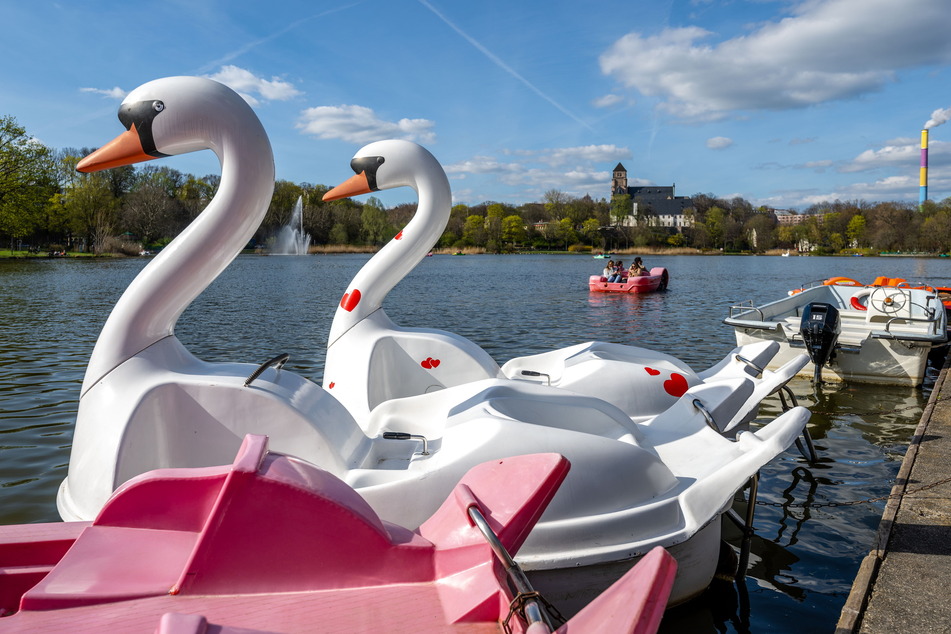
(368, 165)
(141, 114)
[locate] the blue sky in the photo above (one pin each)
(784, 103)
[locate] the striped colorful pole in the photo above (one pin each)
(923, 174)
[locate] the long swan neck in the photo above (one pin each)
(150, 307)
(400, 255)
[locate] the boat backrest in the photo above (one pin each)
(409, 362)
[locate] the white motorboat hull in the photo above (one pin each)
(885, 361)
(886, 333)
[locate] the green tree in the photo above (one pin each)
(494, 214)
(376, 226)
(565, 231)
(621, 208)
(591, 230)
(714, 221)
(27, 180)
(856, 230)
(513, 229)
(473, 233)
(92, 209)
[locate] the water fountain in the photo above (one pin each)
(291, 239)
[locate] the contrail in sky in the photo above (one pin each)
(250, 45)
(498, 62)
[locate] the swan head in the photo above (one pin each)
(171, 116)
(385, 165)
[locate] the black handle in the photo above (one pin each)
(278, 362)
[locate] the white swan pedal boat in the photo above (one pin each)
(869, 334)
(148, 403)
(220, 549)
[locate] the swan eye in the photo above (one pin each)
(158, 106)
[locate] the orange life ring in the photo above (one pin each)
(841, 281)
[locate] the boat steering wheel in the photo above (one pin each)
(888, 300)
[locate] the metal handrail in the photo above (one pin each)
(750, 364)
(533, 611)
(712, 424)
(739, 309)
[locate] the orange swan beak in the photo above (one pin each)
(125, 149)
(353, 186)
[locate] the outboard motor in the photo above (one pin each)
(820, 330)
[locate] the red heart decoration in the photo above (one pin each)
(350, 300)
(429, 363)
(652, 371)
(676, 385)
(399, 236)
(331, 386)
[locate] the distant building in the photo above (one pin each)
(786, 217)
(658, 204)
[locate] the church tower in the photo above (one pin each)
(619, 181)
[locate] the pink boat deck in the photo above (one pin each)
(656, 281)
(272, 544)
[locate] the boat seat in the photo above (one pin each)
(409, 364)
(210, 530)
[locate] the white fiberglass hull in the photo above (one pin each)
(885, 333)
(885, 361)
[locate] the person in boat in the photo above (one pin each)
(638, 268)
(608, 269)
(619, 272)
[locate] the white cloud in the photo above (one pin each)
(826, 50)
(114, 93)
(247, 84)
(573, 170)
(589, 153)
(607, 101)
(719, 143)
(359, 124)
(898, 153)
(481, 165)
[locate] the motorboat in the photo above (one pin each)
(944, 292)
(851, 332)
(657, 280)
(273, 544)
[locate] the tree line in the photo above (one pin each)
(46, 205)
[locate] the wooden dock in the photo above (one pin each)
(904, 584)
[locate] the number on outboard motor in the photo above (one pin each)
(820, 330)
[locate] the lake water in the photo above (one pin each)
(805, 553)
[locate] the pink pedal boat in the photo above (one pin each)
(274, 544)
(656, 281)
